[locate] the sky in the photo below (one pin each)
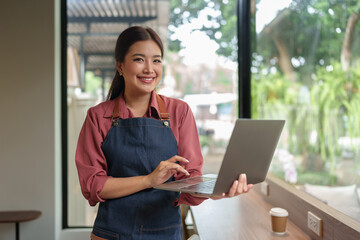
(266, 11)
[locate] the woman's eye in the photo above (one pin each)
(157, 60)
(138, 59)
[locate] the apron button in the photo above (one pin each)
(166, 123)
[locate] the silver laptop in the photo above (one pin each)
(250, 150)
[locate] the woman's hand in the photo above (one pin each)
(239, 186)
(166, 169)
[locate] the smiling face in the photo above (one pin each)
(141, 68)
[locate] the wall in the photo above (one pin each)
(27, 173)
(30, 161)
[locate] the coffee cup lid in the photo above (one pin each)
(279, 212)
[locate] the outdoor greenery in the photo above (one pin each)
(93, 83)
(221, 16)
(316, 117)
(313, 82)
(305, 69)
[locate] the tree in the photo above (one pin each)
(348, 40)
(319, 31)
(314, 41)
(220, 25)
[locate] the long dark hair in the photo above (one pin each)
(125, 40)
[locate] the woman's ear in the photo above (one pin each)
(118, 67)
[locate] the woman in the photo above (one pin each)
(136, 140)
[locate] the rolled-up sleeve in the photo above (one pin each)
(90, 160)
(189, 148)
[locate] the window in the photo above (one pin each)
(305, 69)
(200, 67)
(92, 30)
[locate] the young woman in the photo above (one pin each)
(135, 140)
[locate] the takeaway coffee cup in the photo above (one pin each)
(278, 220)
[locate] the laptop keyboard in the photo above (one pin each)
(206, 187)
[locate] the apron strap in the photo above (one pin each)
(164, 115)
(116, 111)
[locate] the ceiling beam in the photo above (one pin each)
(110, 19)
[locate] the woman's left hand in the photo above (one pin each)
(239, 186)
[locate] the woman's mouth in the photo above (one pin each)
(146, 79)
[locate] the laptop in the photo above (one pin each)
(250, 150)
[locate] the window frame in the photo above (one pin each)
(64, 115)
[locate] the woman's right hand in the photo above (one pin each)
(166, 169)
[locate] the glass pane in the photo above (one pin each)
(306, 69)
(199, 67)
(93, 28)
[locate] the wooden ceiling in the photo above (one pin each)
(94, 25)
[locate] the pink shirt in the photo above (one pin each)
(91, 162)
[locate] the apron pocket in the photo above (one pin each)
(99, 234)
(173, 232)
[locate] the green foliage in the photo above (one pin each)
(225, 22)
(309, 177)
(318, 19)
(205, 140)
(322, 100)
(271, 90)
(314, 30)
(323, 104)
(336, 94)
(316, 178)
(331, 112)
(92, 83)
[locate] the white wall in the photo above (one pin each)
(30, 161)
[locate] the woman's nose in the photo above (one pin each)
(148, 67)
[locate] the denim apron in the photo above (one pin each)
(135, 147)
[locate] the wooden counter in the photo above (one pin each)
(244, 217)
